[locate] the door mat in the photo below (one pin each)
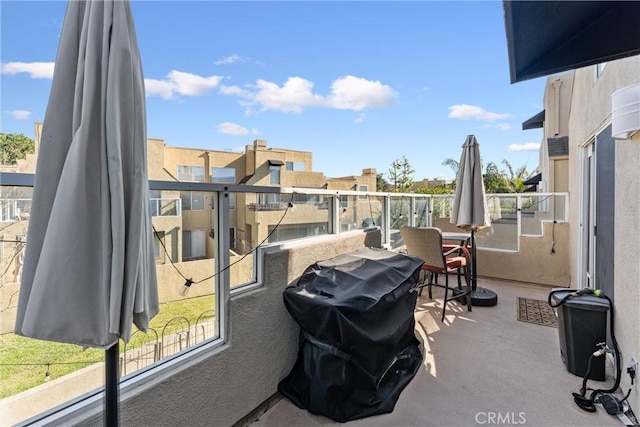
(537, 312)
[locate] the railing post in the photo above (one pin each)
(334, 213)
(386, 221)
(519, 218)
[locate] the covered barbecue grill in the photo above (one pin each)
(358, 348)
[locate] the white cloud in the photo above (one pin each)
(36, 70)
(291, 97)
(192, 84)
(528, 146)
(360, 118)
(231, 59)
(347, 93)
(504, 126)
(19, 114)
(235, 90)
(467, 112)
(181, 83)
(355, 93)
(159, 88)
(229, 128)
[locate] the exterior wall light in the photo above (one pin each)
(625, 112)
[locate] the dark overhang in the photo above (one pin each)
(534, 180)
(534, 122)
(547, 37)
(276, 163)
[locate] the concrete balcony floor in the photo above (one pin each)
(477, 363)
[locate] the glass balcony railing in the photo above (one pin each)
(214, 241)
(165, 207)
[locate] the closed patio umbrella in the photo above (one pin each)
(470, 211)
(89, 268)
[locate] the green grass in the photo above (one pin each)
(34, 355)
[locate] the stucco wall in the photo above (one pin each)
(534, 263)
(590, 113)
(226, 385)
(627, 258)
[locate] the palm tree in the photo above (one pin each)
(516, 178)
(453, 164)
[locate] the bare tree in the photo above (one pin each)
(401, 175)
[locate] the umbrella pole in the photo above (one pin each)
(479, 296)
(112, 386)
(474, 272)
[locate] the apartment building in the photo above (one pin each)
(183, 221)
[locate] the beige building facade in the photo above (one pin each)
(184, 221)
(580, 155)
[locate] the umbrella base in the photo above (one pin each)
(481, 297)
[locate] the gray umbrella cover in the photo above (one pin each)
(89, 269)
(469, 209)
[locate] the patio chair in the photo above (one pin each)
(426, 244)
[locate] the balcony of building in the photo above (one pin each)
(221, 364)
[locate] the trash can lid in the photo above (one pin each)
(583, 302)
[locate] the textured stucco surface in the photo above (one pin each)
(534, 263)
(590, 113)
(232, 381)
(627, 258)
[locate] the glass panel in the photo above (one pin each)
(36, 374)
(165, 204)
(223, 175)
(197, 201)
(303, 220)
(191, 173)
(559, 207)
(192, 200)
(537, 209)
(185, 198)
(363, 188)
(503, 233)
(295, 166)
(421, 211)
(350, 215)
(442, 211)
(399, 211)
(243, 241)
(274, 175)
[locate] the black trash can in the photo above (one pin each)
(358, 348)
(582, 325)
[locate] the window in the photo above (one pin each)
(306, 199)
(363, 188)
(295, 166)
(269, 198)
(193, 244)
(232, 200)
(191, 173)
(158, 251)
(344, 202)
(295, 231)
(154, 203)
(232, 237)
(274, 174)
(192, 200)
(223, 175)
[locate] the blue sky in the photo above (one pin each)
(360, 84)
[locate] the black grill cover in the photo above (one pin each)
(358, 348)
